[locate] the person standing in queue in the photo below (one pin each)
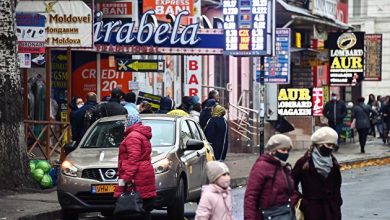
(216, 132)
(134, 164)
(319, 174)
(270, 183)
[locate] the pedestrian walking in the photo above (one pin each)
(205, 113)
(216, 200)
(79, 115)
(134, 164)
(362, 114)
(216, 132)
(318, 173)
(385, 110)
(270, 185)
(335, 111)
(372, 103)
(129, 104)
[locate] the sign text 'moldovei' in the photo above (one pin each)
(295, 101)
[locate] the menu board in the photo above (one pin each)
(373, 58)
(248, 27)
(277, 68)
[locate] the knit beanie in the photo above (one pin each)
(215, 169)
(324, 135)
(132, 119)
(278, 141)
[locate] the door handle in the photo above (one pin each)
(197, 154)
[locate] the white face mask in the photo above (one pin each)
(334, 97)
(80, 105)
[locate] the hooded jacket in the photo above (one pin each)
(267, 187)
(215, 204)
(134, 161)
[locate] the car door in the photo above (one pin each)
(201, 173)
(191, 159)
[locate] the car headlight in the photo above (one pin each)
(67, 168)
(162, 166)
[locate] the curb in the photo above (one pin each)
(345, 165)
(51, 215)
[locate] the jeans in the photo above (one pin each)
(363, 132)
(338, 128)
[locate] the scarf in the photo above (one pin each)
(322, 164)
(218, 111)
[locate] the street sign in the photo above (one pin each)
(130, 65)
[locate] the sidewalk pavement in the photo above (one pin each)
(42, 205)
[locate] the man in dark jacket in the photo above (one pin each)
(166, 105)
(213, 94)
(205, 114)
(113, 106)
(335, 111)
(362, 114)
(78, 127)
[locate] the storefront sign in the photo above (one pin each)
(165, 7)
(59, 76)
(342, 11)
(324, 8)
(248, 27)
(24, 60)
(68, 23)
(293, 101)
(277, 69)
(318, 101)
(154, 100)
(193, 76)
(373, 46)
(30, 31)
(115, 9)
(130, 65)
(346, 58)
(163, 39)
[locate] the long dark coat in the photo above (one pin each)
(267, 187)
(321, 197)
(216, 132)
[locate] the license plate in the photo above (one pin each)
(108, 188)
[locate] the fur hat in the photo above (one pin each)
(132, 119)
(215, 169)
(324, 135)
(278, 141)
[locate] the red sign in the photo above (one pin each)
(113, 9)
(193, 76)
(342, 11)
(318, 101)
(84, 79)
(173, 7)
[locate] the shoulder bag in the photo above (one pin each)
(282, 212)
(129, 203)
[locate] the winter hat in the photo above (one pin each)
(215, 169)
(132, 119)
(195, 100)
(324, 135)
(219, 111)
(211, 103)
(278, 141)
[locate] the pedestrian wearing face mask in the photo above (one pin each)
(335, 111)
(216, 200)
(270, 185)
(318, 172)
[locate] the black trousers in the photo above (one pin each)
(363, 132)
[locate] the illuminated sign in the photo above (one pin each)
(373, 59)
(248, 27)
(164, 7)
(277, 68)
(193, 76)
(130, 65)
(318, 101)
(346, 58)
(294, 101)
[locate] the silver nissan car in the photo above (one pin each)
(88, 175)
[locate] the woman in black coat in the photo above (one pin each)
(216, 132)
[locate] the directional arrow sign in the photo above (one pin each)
(129, 65)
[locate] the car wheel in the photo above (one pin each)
(176, 209)
(70, 215)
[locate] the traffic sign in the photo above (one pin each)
(130, 65)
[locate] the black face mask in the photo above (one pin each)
(281, 156)
(325, 151)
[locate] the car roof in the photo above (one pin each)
(144, 116)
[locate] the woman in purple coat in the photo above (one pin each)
(318, 172)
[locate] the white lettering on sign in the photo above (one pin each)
(193, 76)
(324, 8)
(294, 101)
(88, 74)
(125, 33)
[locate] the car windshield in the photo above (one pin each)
(109, 134)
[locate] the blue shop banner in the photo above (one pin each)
(277, 68)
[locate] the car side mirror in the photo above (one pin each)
(193, 144)
(69, 147)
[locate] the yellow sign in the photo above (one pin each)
(295, 101)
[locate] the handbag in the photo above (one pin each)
(298, 213)
(129, 203)
(282, 212)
